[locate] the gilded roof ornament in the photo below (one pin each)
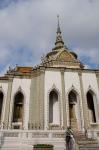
(58, 27)
(59, 41)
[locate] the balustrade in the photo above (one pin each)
(32, 134)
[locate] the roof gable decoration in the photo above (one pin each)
(65, 56)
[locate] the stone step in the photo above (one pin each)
(90, 145)
(86, 143)
(89, 148)
(79, 133)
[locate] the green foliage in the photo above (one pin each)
(43, 146)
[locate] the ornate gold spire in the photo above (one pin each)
(59, 41)
(58, 27)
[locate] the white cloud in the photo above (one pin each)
(32, 24)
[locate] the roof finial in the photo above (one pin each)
(58, 27)
(59, 41)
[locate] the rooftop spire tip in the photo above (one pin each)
(58, 28)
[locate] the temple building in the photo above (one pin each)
(38, 103)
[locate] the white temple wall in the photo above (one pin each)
(52, 81)
(4, 89)
(90, 83)
(22, 85)
(56, 111)
(72, 79)
(72, 82)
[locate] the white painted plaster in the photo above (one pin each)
(72, 78)
(72, 82)
(90, 83)
(89, 79)
(4, 89)
(56, 114)
(25, 86)
(52, 79)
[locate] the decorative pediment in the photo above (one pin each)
(53, 86)
(90, 88)
(65, 56)
(19, 89)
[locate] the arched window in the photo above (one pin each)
(72, 97)
(72, 110)
(1, 103)
(53, 108)
(91, 108)
(18, 107)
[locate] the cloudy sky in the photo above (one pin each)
(28, 30)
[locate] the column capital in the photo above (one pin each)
(62, 70)
(80, 73)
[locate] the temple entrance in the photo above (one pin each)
(1, 104)
(54, 117)
(72, 113)
(18, 110)
(91, 108)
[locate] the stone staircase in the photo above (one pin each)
(84, 143)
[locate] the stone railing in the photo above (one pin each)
(10, 134)
(94, 134)
(32, 134)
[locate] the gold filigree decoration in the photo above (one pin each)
(65, 56)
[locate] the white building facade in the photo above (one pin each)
(38, 104)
